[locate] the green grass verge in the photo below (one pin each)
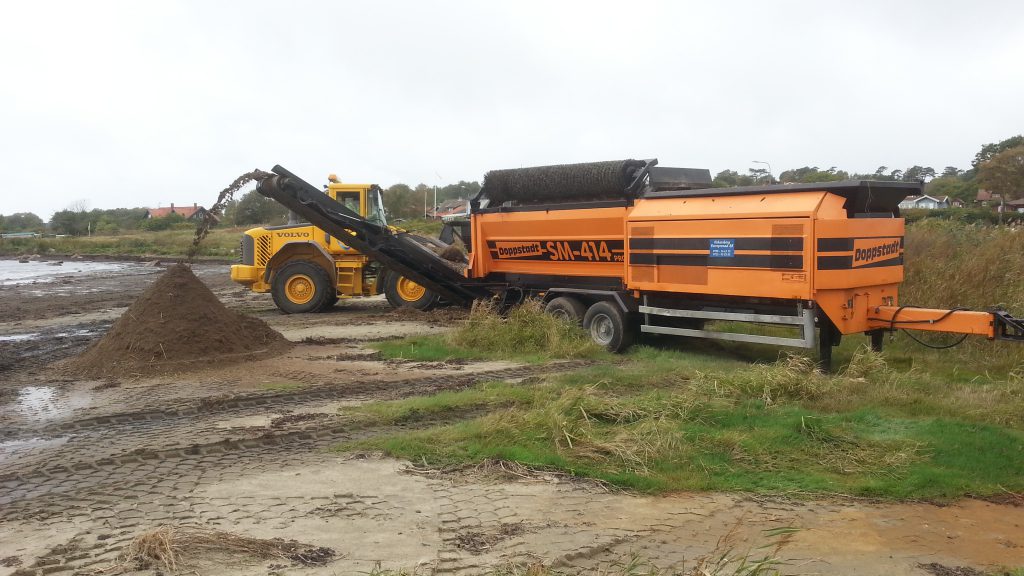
(428, 227)
(667, 420)
(221, 243)
(525, 334)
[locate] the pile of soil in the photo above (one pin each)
(176, 324)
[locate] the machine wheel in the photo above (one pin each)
(300, 287)
(567, 307)
(400, 291)
(608, 327)
(330, 302)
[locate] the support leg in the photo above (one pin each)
(828, 338)
(877, 338)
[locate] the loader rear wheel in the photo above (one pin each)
(403, 292)
(300, 287)
(567, 307)
(608, 327)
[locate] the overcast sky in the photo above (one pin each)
(147, 103)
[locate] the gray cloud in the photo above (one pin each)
(147, 103)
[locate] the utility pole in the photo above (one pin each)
(435, 194)
(770, 178)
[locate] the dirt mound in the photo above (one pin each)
(176, 324)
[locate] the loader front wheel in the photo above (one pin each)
(330, 302)
(300, 287)
(403, 292)
(608, 327)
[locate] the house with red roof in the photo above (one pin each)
(193, 212)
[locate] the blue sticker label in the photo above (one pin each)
(723, 247)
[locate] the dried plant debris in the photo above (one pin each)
(172, 548)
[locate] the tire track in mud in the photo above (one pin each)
(111, 501)
(110, 497)
(241, 403)
(117, 445)
(29, 495)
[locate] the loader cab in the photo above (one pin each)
(363, 199)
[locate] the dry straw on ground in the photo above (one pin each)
(172, 547)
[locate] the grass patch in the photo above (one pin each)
(910, 423)
(428, 227)
(526, 333)
(666, 420)
(221, 243)
(952, 264)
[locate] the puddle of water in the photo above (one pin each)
(18, 337)
(42, 403)
(79, 332)
(13, 448)
(38, 335)
(13, 272)
(36, 399)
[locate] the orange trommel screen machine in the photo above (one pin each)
(629, 247)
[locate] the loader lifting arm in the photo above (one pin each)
(396, 251)
(997, 325)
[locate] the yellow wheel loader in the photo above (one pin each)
(306, 269)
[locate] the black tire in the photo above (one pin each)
(567, 307)
(300, 287)
(608, 327)
(398, 295)
(330, 302)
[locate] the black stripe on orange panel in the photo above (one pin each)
(846, 244)
(846, 263)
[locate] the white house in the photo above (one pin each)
(925, 201)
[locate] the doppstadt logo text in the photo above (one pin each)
(518, 249)
(874, 249)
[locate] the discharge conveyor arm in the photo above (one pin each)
(396, 251)
(997, 325)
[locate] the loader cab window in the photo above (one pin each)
(375, 206)
(351, 201)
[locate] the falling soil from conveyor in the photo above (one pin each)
(177, 324)
(212, 216)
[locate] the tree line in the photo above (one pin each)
(401, 201)
(998, 167)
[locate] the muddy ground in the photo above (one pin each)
(87, 465)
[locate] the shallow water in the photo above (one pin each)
(44, 403)
(13, 448)
(19, 337)
(13, 272)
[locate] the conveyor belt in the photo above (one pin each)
(396, 251)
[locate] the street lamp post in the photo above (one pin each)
(770, 177)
